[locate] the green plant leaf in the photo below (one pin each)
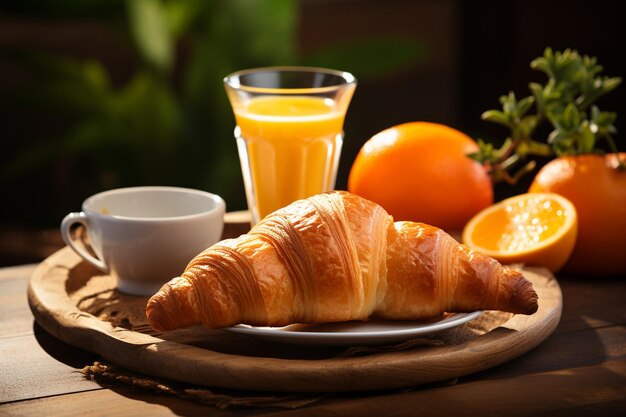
(181, 15)
(496, 116)
(524, 105)
(571, 117)
(602, 122)
(537, 91)
(543, 63)
(509, 104)
(531, 147)
(66, 86)
(573, 85)
(151, 34)
(590, 64)
(610, 84)
(586, 138)
(527, 125)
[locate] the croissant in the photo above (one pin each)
(336, 257)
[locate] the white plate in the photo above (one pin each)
(354, 332)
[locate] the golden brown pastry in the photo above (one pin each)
(336, 257)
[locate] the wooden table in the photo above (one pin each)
(579, 370)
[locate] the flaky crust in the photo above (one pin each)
(335, 257)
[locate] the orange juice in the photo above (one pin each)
(293, 144)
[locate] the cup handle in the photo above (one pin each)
(66, 226)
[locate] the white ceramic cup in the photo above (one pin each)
(145, 236)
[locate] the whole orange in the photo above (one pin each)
(598, 191)
(420, 171)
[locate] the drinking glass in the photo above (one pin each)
(289, 132)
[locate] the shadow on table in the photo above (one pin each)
(61, 351)
(561, 394)
(591, 316)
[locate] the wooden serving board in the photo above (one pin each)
(79, 305)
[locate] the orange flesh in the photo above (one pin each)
(521, 225)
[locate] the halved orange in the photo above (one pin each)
(535, 229)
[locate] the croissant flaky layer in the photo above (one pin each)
(336, 257)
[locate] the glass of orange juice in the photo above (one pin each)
(289, 131)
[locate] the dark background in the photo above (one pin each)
(466, 55)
